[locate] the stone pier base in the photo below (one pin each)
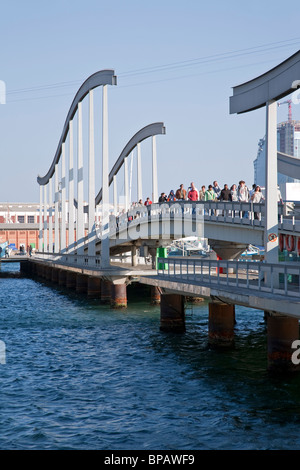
(106, 288)
(282, 331)
(118, 296)
(172, 315)
(71, 280)
(54, 275)
(155, 295)
(94, 286)
(221, 324)
(81, 283)
(62, 276)
(48, 273)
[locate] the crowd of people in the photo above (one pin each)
(213, 192)
(234, 193)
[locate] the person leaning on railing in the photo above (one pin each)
(202, 193)
(243, 195)
(225, 196)
(257, 197)
(193, 193)
(181, 192)
(210, 195)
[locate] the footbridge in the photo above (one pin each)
(80, 241)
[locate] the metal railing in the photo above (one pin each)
(248, 277)
(68, 259)
(237, 211)
(234, 213)
(277, 279)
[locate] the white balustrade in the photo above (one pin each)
(283, 278)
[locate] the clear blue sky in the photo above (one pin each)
(176, 62)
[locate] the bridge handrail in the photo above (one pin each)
(277, 279)
(281, 279)
(68, 259)
(203, 210)
(231, 212)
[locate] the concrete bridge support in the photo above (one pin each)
(48, 273)
(227, 250)
(71, 280)
(134, 255)
(43, 271)
(54, 275)
(221, 324)
(81, 283)
(106, 288)
(94, 286)
(281, 331)
(24, 267)
(155, 295)
(172, 315)
(32, 268)
(62, 277)
(118, 295)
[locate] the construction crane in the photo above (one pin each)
(289, 102)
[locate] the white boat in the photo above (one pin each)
(189, 246)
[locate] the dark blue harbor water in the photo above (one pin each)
(78, 375)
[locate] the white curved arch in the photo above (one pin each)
(288, 165)
(278, 82)
(155, 128)
(103, 77)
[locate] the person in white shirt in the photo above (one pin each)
(257, 197)
(243, 195)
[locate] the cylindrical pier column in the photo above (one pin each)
(39, 270)
(94, 286)
(81, 283)
(119, 296)
(106, 288)
(282, 331)
(172, 316)
(24, 267)
(33, 268)
(48, 273)
(71, 280)
(221, 324)
(155, 295)
(54, 275)
(62, 277)
(134, 255)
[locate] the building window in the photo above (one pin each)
(21, 219)
(30, 219)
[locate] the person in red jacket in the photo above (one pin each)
(193, 193)
(148, 202)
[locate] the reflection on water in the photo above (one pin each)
(79, 375)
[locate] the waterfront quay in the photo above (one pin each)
(181, 280)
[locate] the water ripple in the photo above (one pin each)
(79, 375)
